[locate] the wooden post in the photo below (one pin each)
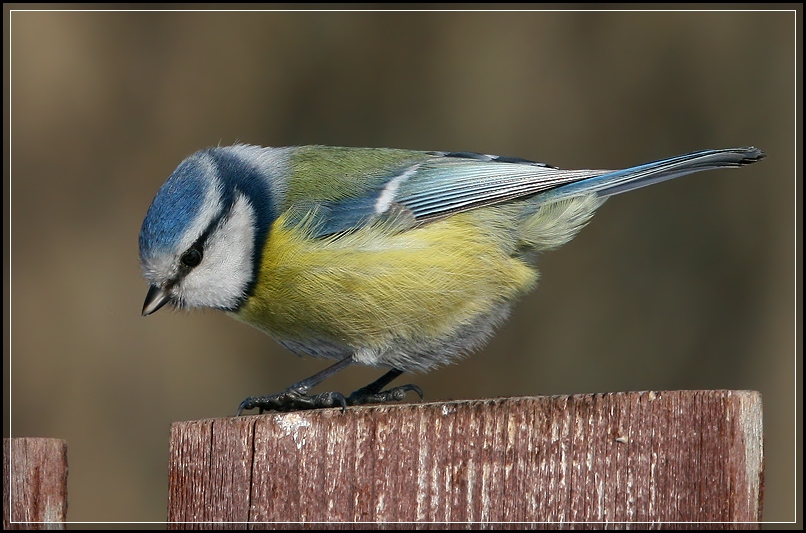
(650, 457)
(34, 483)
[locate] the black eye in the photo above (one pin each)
(191, 258)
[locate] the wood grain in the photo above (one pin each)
(34, 483)
(665, 459)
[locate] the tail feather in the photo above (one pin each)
(620, 181)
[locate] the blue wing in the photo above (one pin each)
(451, 182)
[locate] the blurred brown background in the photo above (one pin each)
(684, 285)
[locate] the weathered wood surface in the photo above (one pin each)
(34, 483)
(664, 458)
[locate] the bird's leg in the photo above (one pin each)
(374, 393)
(295, 397)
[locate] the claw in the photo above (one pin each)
(367, 395)
(292, 400)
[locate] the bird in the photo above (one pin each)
(393, 258)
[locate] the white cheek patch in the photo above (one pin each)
(220, 280)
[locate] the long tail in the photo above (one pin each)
(628, 179)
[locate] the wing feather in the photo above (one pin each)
(445, 183)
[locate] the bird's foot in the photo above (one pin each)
(294, 400)
(368, 395)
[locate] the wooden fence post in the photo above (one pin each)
(658, 458)
(34, 483)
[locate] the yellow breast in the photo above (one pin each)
(375, 286)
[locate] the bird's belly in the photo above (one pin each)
(412, 299)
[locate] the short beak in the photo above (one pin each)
(156, 298)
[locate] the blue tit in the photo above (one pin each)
(393, 258)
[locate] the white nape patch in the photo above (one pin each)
(221, 278)
(272, 164)
(387, 196)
